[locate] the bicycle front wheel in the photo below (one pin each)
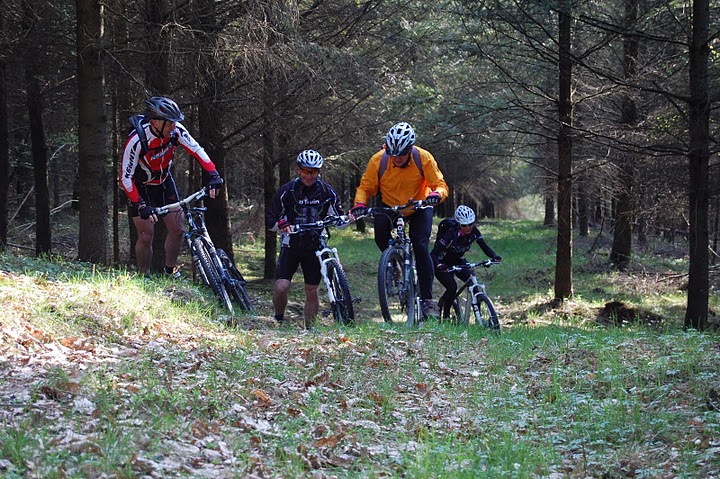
(392, 286)
(342, 308)
(485, 314)
(209, 271)
(414, 312)
(236, 288)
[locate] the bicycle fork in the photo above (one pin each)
(476, 291)
(324, 256)
(411, 275)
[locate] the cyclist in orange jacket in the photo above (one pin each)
(401, 172)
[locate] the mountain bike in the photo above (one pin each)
(214, 266)
(398, 288)
(331, 269)
(471, 305)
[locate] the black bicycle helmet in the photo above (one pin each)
(162, 108)
(310, 159)
(399, 139)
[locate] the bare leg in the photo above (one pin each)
(280, 296)
(143, 245)
(312, 303)
(174, 239)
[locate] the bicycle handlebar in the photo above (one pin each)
(331, 220)
(198, 195)
(414, 204)
(486, 263)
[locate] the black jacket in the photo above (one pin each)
(297, 204)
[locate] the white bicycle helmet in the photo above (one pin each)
(399, 139)
(464, 215)
(162, 108)
(310, 159)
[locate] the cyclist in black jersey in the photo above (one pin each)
(455, 238)
(305, 199)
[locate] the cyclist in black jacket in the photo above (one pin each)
(305, 199)
(451, 244)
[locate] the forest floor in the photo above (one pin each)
(104, 373)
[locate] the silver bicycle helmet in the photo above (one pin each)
(399, 139)
(162, 108)
(464, 215)
(310, 159)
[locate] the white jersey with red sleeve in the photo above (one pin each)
(154, 167)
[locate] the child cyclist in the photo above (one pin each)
(455, 237)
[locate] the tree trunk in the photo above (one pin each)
(40, 163)
(622, 238)
(38, 147)
(4, 146)
(563, 262)
(210, 114)
(583, 217)
(92, 169)
(156, 79)
(696, 314)
(270, 161)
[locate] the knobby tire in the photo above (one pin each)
(391, 286)
(342, 309)
(488, 314)
(237, 287)
(201, 250)
(413, 308)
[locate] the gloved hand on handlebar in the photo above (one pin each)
(146, 212)
(284, 226)
(442, 267)
(215, 183)
(497, 259)
(433, 198)
(358, 210)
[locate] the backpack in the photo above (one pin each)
(384, 163)
(136, 122)
(445, 225)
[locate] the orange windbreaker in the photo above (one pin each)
(400, 185)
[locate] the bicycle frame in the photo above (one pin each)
(408, 292)
(194, 220)
(197, 238)
(324, 255)
(327, 256)
(476, 293)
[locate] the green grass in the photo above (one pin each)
(106, 374)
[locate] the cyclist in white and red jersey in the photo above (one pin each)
(146, 176)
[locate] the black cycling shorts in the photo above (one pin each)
(155, 195)
(291, 258)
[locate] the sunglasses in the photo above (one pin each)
(402, 153)
(309, 172)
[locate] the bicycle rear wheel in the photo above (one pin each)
(455, 313)
(486, 315)
(392, 289)
(342, 308)
(209, 271)
(236, 288)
